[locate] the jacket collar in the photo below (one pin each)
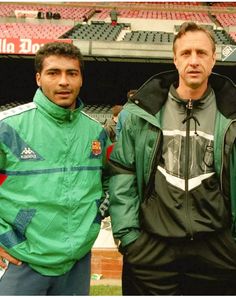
(58, 113)
(152, 95)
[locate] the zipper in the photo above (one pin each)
(189, 107)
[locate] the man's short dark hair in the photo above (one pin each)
(193, 27)
(59, 49)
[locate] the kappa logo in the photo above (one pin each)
(28, 153)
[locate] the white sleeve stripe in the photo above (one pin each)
(17, 110)
(89, 116)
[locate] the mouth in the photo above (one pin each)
(63, 93)
(194, 72)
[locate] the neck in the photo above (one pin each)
(187, 93)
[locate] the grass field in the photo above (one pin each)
(103, 290)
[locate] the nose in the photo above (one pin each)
(193, 59)
(63, 80)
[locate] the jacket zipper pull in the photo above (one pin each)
(189, 104)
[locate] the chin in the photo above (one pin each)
(195, 84)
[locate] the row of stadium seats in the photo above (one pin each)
(170, 4)
(233, 35)
(27, 30)
(157, 14)
(96, 31)
(66, 12)
(149, 37)
(226, 20)
(223, 4)
(104, 31)
(99, 31)
(222, 37)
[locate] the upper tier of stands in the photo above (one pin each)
(226, 20)
(66, 12)
(101, 29)
(156, 14)
(165, 10)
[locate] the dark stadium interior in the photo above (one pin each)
(104, 82)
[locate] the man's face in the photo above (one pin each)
(60, 80)
(194, 59)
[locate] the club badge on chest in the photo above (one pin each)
(96, 148)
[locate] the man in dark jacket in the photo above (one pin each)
(173, 185)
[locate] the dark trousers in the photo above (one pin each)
(23, 281)
(157, 266)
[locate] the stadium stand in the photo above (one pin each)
(149, 37)
(226, 20)
(27, 30)
(66, 12)
(233, 36)
(101, 30)
(94, 31)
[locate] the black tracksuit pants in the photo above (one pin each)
(159, 266)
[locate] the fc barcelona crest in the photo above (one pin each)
(96, 147)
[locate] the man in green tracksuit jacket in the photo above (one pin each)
(173, 184)
(53, 181)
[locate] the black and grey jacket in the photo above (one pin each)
(139, 152)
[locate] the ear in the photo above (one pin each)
(214, 59)
(174, 60)
(38, 81)
(81, 78)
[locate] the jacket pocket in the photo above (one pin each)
(17, 234)
(228, 239)
(149, 213)
(131, 251)
(148, 250)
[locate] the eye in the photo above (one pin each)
(52, 72)
(74, 73)
(201, 52)
(186, 53)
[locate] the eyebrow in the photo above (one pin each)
(56, 69)
(197, 50)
